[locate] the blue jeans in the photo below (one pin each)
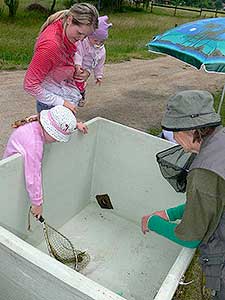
(42, 106)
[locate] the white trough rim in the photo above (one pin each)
(172, 280)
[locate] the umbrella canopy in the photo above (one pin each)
(200, 44)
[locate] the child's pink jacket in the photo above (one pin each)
(28, 140)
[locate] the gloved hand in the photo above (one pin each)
(175, 213)
(144, 221)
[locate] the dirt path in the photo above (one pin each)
(133, 93)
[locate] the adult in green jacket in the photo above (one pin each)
(197, 128)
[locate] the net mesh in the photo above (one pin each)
(63, 250)
(174, 165)
(60, 247)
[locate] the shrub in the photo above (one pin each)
(13, 6)
(37, 7)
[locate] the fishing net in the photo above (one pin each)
(174, 164)
(61, 248)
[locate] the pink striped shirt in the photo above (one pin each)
(28, 140)
(52, 64)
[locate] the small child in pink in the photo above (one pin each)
(56, 124)
(91, 55)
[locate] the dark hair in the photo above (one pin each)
(201, 133)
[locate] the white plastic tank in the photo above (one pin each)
(112, 159)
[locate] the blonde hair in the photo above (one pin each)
(24, 121)
(82, 13)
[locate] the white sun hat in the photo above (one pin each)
(59, 122)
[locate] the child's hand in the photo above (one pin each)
(82, 127)
(71, 106)
(36, 211)
(82, 75)
(78, 70)
(98, 81)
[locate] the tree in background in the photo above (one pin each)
(176, 2)
(110, 4)
(13, 6)
(219, 4)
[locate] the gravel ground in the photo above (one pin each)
(133, 93)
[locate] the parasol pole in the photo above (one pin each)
(221, 100)
(99, 4)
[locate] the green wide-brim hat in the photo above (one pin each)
(188, 110)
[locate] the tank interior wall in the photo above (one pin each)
(125, 168)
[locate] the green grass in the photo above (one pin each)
(127, 39)
(195, 290)
(217, 97)
(17, 39)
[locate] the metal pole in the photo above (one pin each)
(221, 100)
(99, 4)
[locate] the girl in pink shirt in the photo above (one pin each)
(52, 65)
(56, 124)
